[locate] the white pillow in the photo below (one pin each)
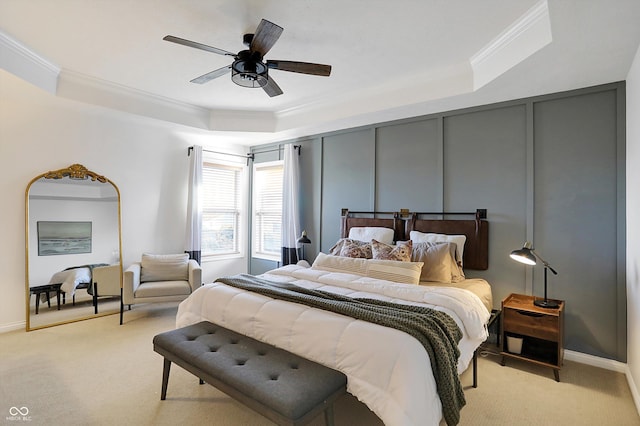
(164, 267)
(368, 233)
(390, 270)
(421, 237)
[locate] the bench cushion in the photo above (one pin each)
(288, 384)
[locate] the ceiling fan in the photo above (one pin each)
(249, 68)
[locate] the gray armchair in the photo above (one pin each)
(160, 278)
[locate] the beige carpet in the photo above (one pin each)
(96, 372)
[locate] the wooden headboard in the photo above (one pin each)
(390, 220)
(476, 248)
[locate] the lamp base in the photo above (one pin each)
(548, 304)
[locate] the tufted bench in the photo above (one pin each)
(281, 386)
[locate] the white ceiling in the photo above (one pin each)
(390, 59)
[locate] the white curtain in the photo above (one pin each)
(290, 211)
(194, 206)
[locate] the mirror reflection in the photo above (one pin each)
(72, 237)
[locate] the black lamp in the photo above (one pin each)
(303, 240)
(528, 256)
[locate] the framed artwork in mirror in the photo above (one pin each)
(57, 238)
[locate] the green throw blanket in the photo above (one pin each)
(435, 330)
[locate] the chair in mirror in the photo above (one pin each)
(73, 247)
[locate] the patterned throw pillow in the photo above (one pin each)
(400, 252)
(357, 249)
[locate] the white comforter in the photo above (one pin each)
(70, 278)
(386, 369)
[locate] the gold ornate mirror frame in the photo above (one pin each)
(75, 173)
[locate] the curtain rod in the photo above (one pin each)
(249, 156)
(298, 147)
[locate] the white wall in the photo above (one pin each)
(145, 158)
(633, 226)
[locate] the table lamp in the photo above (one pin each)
(528, 256)
(304, 240)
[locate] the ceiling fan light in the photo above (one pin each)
(249, 73)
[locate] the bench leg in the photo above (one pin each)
(165, 379)
(37, 302)
(328, 415)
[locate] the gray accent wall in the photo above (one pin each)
(548, 169)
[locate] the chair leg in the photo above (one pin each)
(165, 379)
(95, 298)
(121, 307)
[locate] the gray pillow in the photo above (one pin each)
(164, 267)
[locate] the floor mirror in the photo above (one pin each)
(72, 228)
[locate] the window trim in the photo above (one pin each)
(241, 208)
(254, 233)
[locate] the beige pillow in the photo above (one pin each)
(400, 252)
(164, 267)
(390, 270)
(438, 261)
(349, 265)
(459, 240)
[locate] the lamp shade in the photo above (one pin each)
(304, 239)
(524, 255)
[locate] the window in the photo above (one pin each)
(220, 209)
(267, 210)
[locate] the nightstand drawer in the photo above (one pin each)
(531, 324)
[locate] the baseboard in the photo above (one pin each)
(607, 364)
(20, 325)
(634, 389)
(596, 361)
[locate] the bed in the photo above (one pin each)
(387, 369)
(74, 278)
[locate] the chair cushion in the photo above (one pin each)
(163, 288)
(164, 267)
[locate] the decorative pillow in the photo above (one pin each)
(368, 233)
(459, 240)
(390, 270)
(358, 249)
(400, 252)
(352, 248)
(331, 263)
(439, 263)
(164, 267)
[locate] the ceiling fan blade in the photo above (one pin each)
(211, 75)
(300, 67)
(197, 45)
(271, 88)
(265, 37)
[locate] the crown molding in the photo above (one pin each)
(91, 90)
(528, 34)
(23, 62)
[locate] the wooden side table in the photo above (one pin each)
(536, 334)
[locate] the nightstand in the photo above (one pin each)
(532, 333)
